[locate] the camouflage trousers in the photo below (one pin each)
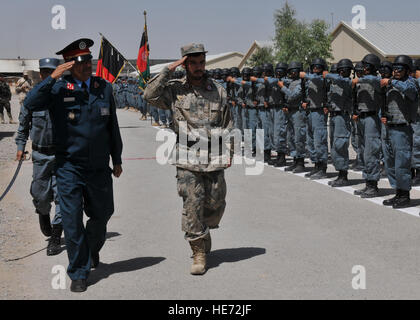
(203, 195)
(5, 105)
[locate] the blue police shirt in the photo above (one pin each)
(85, 126)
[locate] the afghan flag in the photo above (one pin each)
(143, 59)
(110, 62)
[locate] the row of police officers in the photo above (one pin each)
(378, 107)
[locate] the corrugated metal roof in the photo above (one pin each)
(18, 66)
(392, 37)
(209, 58)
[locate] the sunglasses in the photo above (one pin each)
(398, 68)
(82, 59)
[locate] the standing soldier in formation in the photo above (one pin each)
(317, 134)
(296, 116)
(277, 100)
(340, 95)
(200, 103)
(5, 96)
(44, 185)
(358, 73)
(236, 108)
(85, 125)
(260, 107)
(249, 112)
(415, 163)
(366, 116)
(400, 112)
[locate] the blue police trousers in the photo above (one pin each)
(165, 116)
(253, 124)
(369, 142)
(238, 112)
(341, 130)
(279, 136)
(415, 160)
(353, 138)
(398, 146)
(266, 124)
(297, 120)
(90, 190)
(317, 136)
(44, 185)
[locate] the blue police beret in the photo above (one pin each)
(48, 63)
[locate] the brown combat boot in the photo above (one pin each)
(199, 255)
(2, 118)
(207, 243)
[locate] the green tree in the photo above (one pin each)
(298, 41)
(261, 56)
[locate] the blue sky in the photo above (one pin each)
(222, 25)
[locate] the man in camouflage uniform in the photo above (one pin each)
(200, 103)
(23, 86)
(5, 96)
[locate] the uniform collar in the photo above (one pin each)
(79, 82)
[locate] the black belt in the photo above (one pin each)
(49, 151)
(398, 124)
(337, 113)
(363, 115)
(315, 109)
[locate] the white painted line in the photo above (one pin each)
(414, 211)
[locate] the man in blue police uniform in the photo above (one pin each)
(316, 127)
(399, 113)
(86, 133)
(43, 187)
(366, 116)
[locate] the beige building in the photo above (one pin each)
(386, 39)
(254, 48)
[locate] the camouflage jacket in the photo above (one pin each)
(197, 111)
(23, 86)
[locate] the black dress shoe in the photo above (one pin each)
(45, 224)
(79, 285)
(95, 260)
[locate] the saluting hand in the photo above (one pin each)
(58, 72)
(178, 63)
(117, 170)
